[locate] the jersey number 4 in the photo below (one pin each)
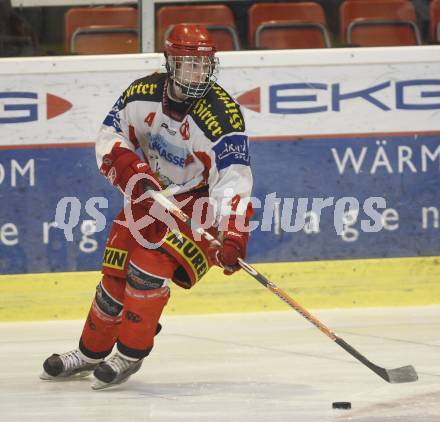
(149, 119)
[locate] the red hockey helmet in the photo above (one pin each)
(190, 61)
(188, 39)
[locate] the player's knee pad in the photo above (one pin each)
(150, 269)
(140, 279)
(146, 292)
(146, 287)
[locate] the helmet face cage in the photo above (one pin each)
(193, 74)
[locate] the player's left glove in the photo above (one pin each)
(234, 245)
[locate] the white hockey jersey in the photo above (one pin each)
(204, 144)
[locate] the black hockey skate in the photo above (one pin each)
(114, 371)
(67, 365)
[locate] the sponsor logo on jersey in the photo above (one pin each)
(231, 108)
(189, 251)
(138, 89)
(23, 107)
(232, 149)
(167, 128)
(317, 97)
(112, 118)
(114, 258)
(203, 110)
(169, 152)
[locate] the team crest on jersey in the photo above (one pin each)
(184, 130)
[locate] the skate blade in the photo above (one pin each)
(46, 377)
(100, 385)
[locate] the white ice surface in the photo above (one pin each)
(238, 367)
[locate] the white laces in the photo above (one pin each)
(118, 363)
(71, 360)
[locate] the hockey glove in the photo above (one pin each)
(121, 165)
(234, 245)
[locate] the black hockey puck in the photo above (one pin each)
(341, 405)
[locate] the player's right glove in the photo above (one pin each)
(121, 165)
(234, 245)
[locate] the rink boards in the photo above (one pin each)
(315, 284)
(350, 169)
(347, 127)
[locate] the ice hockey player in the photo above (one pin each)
(192, 137)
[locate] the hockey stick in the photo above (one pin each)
(396, 375)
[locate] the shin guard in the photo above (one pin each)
(146, 294)
(102, 325)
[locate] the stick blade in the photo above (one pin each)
(401, 375)
(393, 376)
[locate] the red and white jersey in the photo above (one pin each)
(203, 144)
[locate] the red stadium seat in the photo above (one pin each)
(104, 39)
(218, 19)
(287, 25)
(434, 21)
(86, 17)
(370, 23)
